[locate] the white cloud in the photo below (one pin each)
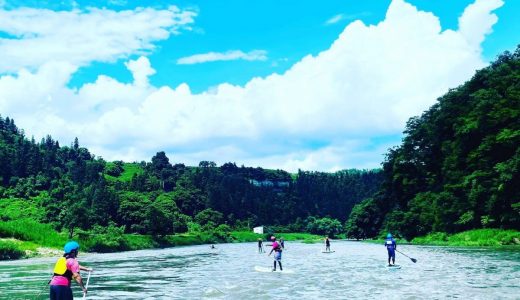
(367, 84)
(476, 20)
(218, 56)
(335, 19)
(81, 37)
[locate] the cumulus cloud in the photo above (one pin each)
(218, 56)
(39, 36)
(323, 113)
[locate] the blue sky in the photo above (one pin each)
(312, 114)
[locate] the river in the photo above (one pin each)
(354, 271)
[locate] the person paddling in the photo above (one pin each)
(260, 246)
(327, 244)
(391, 246)
(277, 248)
(66, 269)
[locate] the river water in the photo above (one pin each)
(354, 271)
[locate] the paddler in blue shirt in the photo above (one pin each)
(390, 245)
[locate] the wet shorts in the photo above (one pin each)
(60, 292)
(278, 256)
(391, 253)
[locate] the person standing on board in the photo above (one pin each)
(260, 246)
(391, 246)
(66, 269)
(327, 244)
(277, 248)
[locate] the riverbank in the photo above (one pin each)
(27, 238)
(470, 238)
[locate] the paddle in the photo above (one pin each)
(412, 259)
(86, 286)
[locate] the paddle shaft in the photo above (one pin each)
(412, 259)
(86, 286)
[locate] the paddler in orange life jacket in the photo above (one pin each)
(277, 248)
(66, 269)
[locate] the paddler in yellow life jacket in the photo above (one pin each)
(66, 269)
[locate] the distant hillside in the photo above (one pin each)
(70, 188)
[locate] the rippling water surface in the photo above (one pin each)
(355, 270)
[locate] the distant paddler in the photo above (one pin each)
(260, 246)
(66, 269)
(277, 248)
(391, 246)
(327, 244)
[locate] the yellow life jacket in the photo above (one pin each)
(60, 269)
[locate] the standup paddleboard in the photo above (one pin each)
(328, 251)
(270, 270)
(393, 267)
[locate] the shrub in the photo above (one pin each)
(10, 250)
(30, 230)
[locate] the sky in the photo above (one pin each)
(310, 85)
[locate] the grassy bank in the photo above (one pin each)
(470, 238)
(10, 250)
(248, 236)
(25, 238)
(477, 237)
(30, 230)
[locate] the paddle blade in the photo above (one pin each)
(414, 260)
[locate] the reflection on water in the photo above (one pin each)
(355, 270)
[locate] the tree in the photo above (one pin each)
(209, 215)
(324, 226)
(364, 220)
(160, 215)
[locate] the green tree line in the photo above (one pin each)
(458, 165)
(70, 189)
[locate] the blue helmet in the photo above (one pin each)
(389, 236)
(70, 246)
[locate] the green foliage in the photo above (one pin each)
(477, 237)
(133, 211)
(10, 250)
(324, 226)
(104, 239)
(30, 230)
(246, 236)
(123, 172)
(16, 208)
(364, 220)
(160, 215)
(222, 232)
(458, 167)
(208, 216)
(114, 169)
(74, 192)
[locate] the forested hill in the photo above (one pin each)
(70, 188)
(458, 165)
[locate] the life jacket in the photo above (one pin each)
(278, 247)
(60, 269)
(390, 244)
